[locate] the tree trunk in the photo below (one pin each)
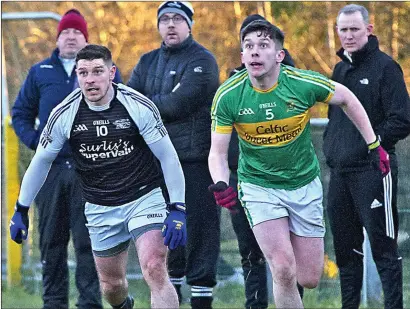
(268, 11)
(331, 34)
(395, 33)
(238, 14)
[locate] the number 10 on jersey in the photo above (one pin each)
(102, 130)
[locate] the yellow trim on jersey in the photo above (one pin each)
(222, 129)
(273, 133)
(329, 97)
(313, 79)
(267, 90)
(306, 74)
(226, 86)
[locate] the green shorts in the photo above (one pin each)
(303, 206)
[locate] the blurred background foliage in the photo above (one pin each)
(129, 29)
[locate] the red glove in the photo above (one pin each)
(379, 157)
(225, 196)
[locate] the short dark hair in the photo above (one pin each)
(248, 20)
(266, 29)
(92, 52)
(353, 8)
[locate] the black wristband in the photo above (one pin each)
(176, 206)
(21, 208)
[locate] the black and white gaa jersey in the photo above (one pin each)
(110, 146)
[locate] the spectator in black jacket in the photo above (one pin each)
(181, 78)
(359, 195)
(253, 261)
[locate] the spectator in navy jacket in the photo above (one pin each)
(59, 203)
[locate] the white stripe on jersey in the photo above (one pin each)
(310, 81)
(46, 136)
(131, 97)
(143, 100)
(226, 91)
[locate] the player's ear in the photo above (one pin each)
(280, 55)
(113, 69)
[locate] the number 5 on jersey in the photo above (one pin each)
(269, 114)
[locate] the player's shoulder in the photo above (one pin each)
(129, 93)
(134, 101)
(305, 77)
(232, 86)
(69, 103)
(62, 116)
(301, 73)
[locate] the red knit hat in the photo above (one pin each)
(73, 19)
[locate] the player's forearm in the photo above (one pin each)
(174, 178)
(165, 152)
(218, 167)
(35, 177)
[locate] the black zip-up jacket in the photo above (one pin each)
(182, 82)
(377, 81)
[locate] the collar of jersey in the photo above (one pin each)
(271, 88)
(267, 90)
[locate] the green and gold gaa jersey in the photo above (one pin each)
(273, 126)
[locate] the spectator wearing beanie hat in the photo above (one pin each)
(72, 35)
(184, 9)
(181, 14)
(59, 203)
(253, 260)
(73, 19)
(181, 78)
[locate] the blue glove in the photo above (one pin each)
(174, 229)
(19, 223)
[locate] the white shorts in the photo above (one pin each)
(303, 206)
(111, 228)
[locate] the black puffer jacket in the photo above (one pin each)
(181, 81)
(377, 81)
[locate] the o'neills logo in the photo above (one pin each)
(106, 150)
(273, 133)
(152, 216)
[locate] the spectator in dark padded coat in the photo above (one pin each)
(181, 78)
